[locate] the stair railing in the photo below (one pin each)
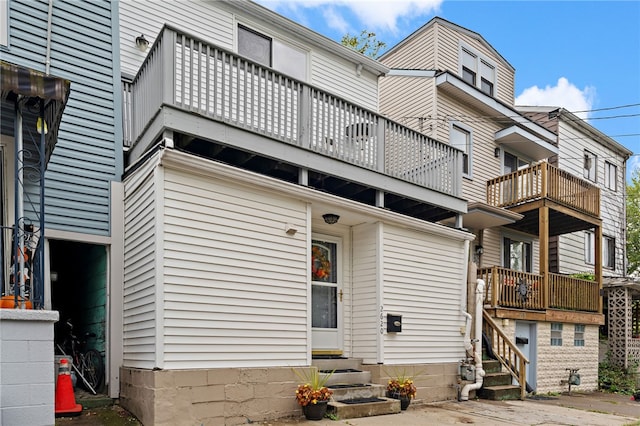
(511, 358)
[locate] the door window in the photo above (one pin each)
(324, 290)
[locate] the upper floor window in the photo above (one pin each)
(610, 176)
(556, 334)
(4, 23)
(477, 71)
(461, 139)
(589, 247)
(590, 163)
(272, 53)
(609, 252)
(578, 335)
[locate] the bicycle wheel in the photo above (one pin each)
(93, 368)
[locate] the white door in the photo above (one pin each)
(526, 342)
(326, 295)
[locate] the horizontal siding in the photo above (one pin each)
(235, 283)
(87, 155)
(409, 101)
(423, 281)
(139, 304)
(572, 144)
(365, 320)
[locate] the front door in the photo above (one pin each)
(526, 342)
(326, 295)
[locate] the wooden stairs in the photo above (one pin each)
(353, 393)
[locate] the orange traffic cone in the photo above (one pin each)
(65, 399)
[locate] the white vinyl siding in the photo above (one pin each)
(423, 280)
(140, 286)
(365, 325)
(236, 285)
(4, 23)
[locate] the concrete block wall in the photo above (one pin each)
(552, 360)
(223, 396)
(27, 381)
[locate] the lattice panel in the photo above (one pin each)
(620, 315)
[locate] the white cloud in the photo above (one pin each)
(335, 20)
(373, 14)
(564, 94)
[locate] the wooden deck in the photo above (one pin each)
(521, 291)
(544, 181)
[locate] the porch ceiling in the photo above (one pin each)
(483, 216)
(560, 222)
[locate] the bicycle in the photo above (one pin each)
(87, 364)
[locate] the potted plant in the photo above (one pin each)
(400, 386)
(312, 395)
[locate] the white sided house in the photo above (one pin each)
(273, 217)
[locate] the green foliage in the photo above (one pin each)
(633, 223)
(615, 379)
(313, 377)
(584, 276)
(365, 43)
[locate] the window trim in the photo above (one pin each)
(469, 131)
(588, 170)
(528, 266)
(610, 182)
(478, 60)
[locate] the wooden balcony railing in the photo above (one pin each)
(544, 181)
(507, 352)
(190, 74)
(520, 290)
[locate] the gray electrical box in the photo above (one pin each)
(468, 372)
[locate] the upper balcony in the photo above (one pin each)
(574, 202)
(215, 98)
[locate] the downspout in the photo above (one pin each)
(477, 354)
(47, 59)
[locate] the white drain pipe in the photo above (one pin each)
(477, 354)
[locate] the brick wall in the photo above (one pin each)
(27, 379)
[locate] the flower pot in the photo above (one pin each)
(404, 402)
(315, 411)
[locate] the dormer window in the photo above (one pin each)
(473, 66)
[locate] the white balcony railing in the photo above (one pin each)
(196, 76)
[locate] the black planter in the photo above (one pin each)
(315, 411)
(404, 402)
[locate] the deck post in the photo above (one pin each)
(598, 264)
(544, 248)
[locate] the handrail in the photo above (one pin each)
(508, 354)
(213, 83)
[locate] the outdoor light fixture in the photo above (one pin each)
(496, 152)
(142, 42)
(479, 250)
(330, 218)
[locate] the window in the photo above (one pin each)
(590, 168)
(461, 139)
(609, 252)
(272, 53)
(4, 23)
(589, 247)
(517, 254)
(578, 335)
(254, 45)
(477, 71)
(556, 334)
(610, 176)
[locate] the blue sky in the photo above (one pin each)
(581, 55)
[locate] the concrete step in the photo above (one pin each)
(491, 366)
(499, 393)
(344, 410)
(357, 391)
(349, 376)
(337, 364)
(496, 379)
